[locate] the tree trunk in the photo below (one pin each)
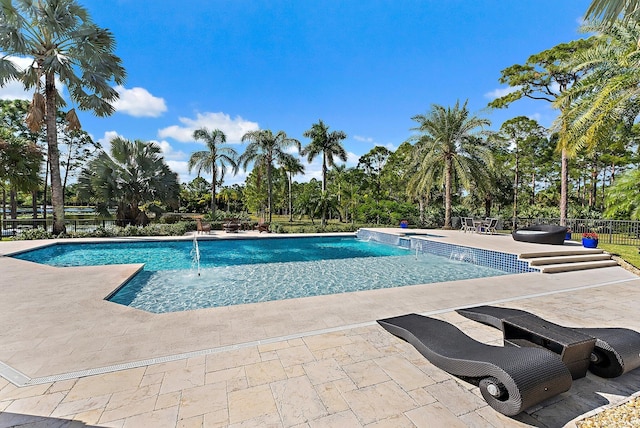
(533, 187)
(516, 182)
(44, 196)
(594, 187)
(57, 197)
(66, 174)
(488, 204)
(564, 185)
(324, 189)
(13, 203)
(447, 193)
(213, 194)
(269, 190)
(4, 209)
(34, 204)
(290, 199)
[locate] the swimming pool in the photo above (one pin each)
(242, 271)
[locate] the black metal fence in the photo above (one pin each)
(11, 227)
(619, 232)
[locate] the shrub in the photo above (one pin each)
(30, 234)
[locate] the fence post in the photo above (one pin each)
(610, 232)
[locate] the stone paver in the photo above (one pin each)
(355, 374)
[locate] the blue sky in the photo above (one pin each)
(363, 67)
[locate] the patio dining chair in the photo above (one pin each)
(490, 226)
(468, 225)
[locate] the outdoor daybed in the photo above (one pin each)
(510, 379)
(541, 234)
(614, 351)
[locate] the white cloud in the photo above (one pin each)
(536, 116)
(138, 102)
(233, 128)
(363, 139)
(180, 168)
(501, 92)
(14, 91)
(352, 159)
(105, 141)
(168, 151)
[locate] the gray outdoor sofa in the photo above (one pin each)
(510, 379)
(541, 234)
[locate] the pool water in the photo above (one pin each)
(242, 271)
(177, 255)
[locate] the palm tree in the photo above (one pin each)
(611, 10)
(133, 174)
(328, 144)
(448, 148)
(266, 148)
(292, 166)
(63, 42)
(608, 94)
(215, 160)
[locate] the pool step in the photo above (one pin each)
(579, 251)
(551, 260)
(567, 267)
(566, 261)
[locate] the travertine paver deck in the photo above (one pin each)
(331, 366)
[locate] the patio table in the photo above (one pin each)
(573, 346)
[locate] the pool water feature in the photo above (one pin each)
(242, 271)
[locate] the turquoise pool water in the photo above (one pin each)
(255, 270)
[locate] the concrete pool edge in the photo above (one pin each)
(20, 379)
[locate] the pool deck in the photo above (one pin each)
(66, 354)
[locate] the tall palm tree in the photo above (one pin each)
(292, 166)
(266, 148)
(448, 148)
(63, 42)
(328, 144)
(215, 160)
(134, 173)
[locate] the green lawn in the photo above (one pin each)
(627, 252)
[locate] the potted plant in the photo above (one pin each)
(567, 236)
(590, 240)
(404, 224)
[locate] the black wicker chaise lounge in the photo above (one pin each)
(615, 351)
(510, 379)
(541, 234)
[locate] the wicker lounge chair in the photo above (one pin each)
(615, 352)
(263, 227)
(541, 234)
(202, 227)
(231, 226)
(510, 379)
